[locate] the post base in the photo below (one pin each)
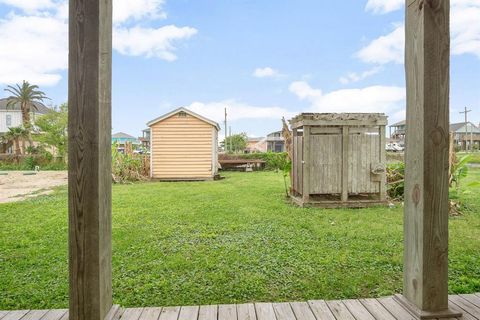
(421, 314)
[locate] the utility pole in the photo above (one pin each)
(466, 130)
(225, 141)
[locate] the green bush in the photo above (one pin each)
(21, 163)
(396, 180)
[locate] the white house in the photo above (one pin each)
(12, 117)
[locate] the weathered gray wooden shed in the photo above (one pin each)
(339, 159)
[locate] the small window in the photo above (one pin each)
(9, 120)
(182, 114)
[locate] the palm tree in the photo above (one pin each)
(25, 95)
(14, 135)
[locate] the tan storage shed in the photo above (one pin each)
(339, 159)
(183, 146)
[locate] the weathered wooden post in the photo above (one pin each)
(306, 165)
(425, 290)
(89, 178)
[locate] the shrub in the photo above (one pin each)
(128, 167)
(396, 180)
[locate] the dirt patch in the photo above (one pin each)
(20, 185)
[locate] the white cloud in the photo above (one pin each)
(30, 5)
(384, 6)
(150, 42)
(386, 99)
(34, 44)
(238, 111)
(355, 77)
(124, 10)
(266, 72)
(465, 27)
(32, 48)
(385, 49)
(465, 34)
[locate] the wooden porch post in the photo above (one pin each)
(89, 178)
(425, 289)
(306, 165)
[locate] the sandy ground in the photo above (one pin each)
(15, 186)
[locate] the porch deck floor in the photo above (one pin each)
(353, 309)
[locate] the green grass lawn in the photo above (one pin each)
(234, 240)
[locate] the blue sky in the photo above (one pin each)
(260, 59)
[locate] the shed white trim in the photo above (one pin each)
(193, 114)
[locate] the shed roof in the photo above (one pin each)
(193, 114)
(326, 119)
(40, 107)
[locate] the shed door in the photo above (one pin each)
(363, 155)
(326, 156)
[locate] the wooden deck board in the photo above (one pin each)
(283, 311)
(208, 312)
(246, 311)
(358, 310)
(385, 308)
(302, 311)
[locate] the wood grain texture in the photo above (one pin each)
(302, 310)
(283, 311)
(358, 310)
(246, 311)
(426, 174)
(89, 178)
(377, 309)
(306, 165)
(169, 313)
(188, 313)
(394, 308)
(345, 164)
(321, 310)
(15, 315)
(265, 311)
(151, 313)
(339, 310)
(54, 314)
(227, 312)
(208, 312)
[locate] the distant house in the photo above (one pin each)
(183, 146)
(275, 142)
(121, 138)
(256, 145)
(12, 117)
(145, 138)
(397, 130)
(464, 135)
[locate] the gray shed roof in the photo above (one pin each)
(41, 108)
